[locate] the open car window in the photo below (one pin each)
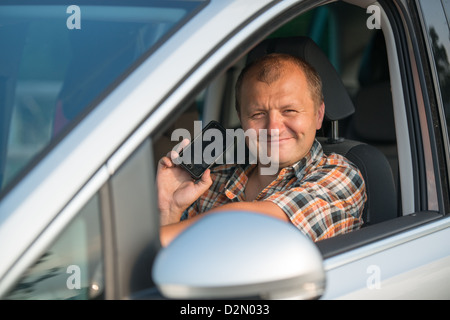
(356, 51)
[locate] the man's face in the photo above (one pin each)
(285, 105)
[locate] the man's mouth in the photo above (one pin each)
(276, 140)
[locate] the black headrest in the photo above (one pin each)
(338, 104)
(374, 117)
(374, 66)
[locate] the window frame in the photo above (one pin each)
(416, 213)
(436, 105)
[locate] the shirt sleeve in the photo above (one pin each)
(190, 212)
(326, 202)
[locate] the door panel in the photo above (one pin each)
(395, 268)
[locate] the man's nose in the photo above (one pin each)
(274, 121)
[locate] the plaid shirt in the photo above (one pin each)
(322, 195)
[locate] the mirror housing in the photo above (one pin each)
(237, 254)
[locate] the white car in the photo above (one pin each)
(91, 92)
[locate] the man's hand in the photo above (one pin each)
(176, 188)
(170, 232)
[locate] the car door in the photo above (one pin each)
(85, 173)
(403, 257)
(412, 259)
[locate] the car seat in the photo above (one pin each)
(381, 202)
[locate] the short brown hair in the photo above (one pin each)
(268, 69)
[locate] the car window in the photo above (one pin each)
(58, 61)
(358, 53)
(72, 266)
(439, 40)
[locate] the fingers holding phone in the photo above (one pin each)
(176, 188)
(184, 174)
(206, 148)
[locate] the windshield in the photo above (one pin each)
(57, 61)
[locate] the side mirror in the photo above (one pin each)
(240, 255)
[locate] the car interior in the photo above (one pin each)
(359, 121)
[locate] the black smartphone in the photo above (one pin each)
(205, 149)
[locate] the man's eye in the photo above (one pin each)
(257, 115)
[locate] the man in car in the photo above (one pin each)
(322, 195)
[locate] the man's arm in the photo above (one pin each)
(171, 231)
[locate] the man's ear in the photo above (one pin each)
(320, 115)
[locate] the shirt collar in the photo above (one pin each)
(309, 162)
(238, 180)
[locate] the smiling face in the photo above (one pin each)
(284, 104)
